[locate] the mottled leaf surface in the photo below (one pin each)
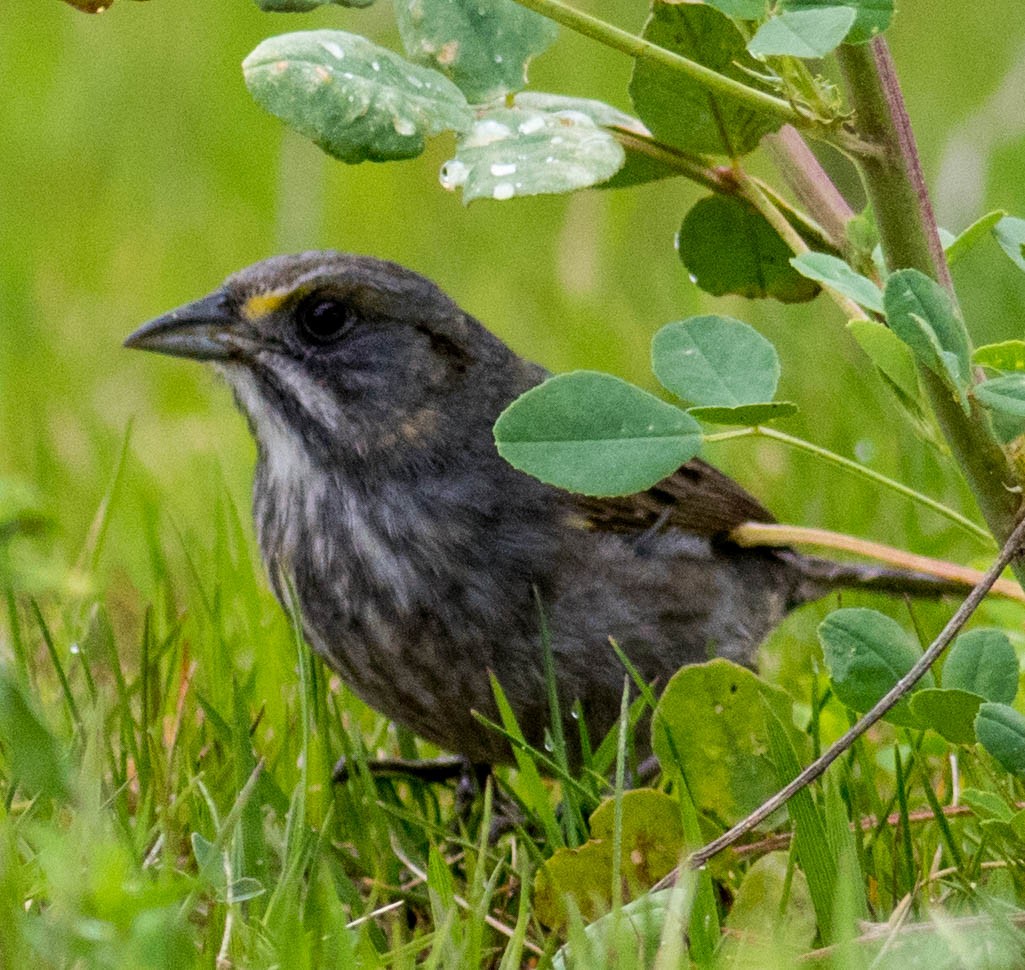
(511, 152)
(483, 46)
(354, 99)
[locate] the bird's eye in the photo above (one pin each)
(323, 319)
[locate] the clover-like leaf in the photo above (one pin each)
(1010, 233)
(809, 33)
(651, 840)
(483, 46)
(871, 16)
(889, 353)
(967, 239)
(1001, 731)
(708, 724)
(356, 100)
(715, 360)
(867, 653)
(950, 712)
(747, 415)
(740, 9)
(683, 112)
(836, 274)
(983, 662)
(1009, 355)
(922, 314)
(513, 152)
(729, 247)
(596, 434)
(1005, 395)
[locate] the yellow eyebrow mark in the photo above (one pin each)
(263, 304)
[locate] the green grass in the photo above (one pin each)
(166, 743)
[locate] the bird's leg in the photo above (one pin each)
(428, 770)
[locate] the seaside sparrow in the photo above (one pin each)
(422, 561)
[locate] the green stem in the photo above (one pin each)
(637, 47)
(761, 431)
(723, 180)
(907, 229)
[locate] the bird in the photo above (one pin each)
(423, 564)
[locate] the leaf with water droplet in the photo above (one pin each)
(709, 725)
(483, 46)
(683, 112)
(513, 152)
(354, 99)
(729, 247)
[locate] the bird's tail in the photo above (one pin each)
(819, 577)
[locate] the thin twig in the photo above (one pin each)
(1010, 550)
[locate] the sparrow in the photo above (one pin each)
(422, 562)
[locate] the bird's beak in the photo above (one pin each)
(203, 330)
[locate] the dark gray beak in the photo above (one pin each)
(204, 330)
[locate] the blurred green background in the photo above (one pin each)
(137, 173)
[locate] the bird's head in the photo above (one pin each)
(356, 356)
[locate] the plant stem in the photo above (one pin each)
(907, 229)
(1009, 552)
(858, 469)
(812, 186)
(637, 47)
(723, 180)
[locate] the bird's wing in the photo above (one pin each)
(695, 498)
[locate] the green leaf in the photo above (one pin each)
(728, 247)
(867, 653)
(1003, 394)
(802, 33)
(872, 16)
(987, 804)
(921, 313)
(1001, 731)
(1009, 355)
(708, 725)
(970, 236)
(985, 663)
(594, 433)
(483, 46)
(652, 843)
(1010, 233)
(772, 915)
(950, 712)
(636, 928)
(32, 753)
(837, 275)
(740, 9)
(683, 112)
(889, 353)
(354, 99)
(513, 152)
(746, 414)
(715, 360)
